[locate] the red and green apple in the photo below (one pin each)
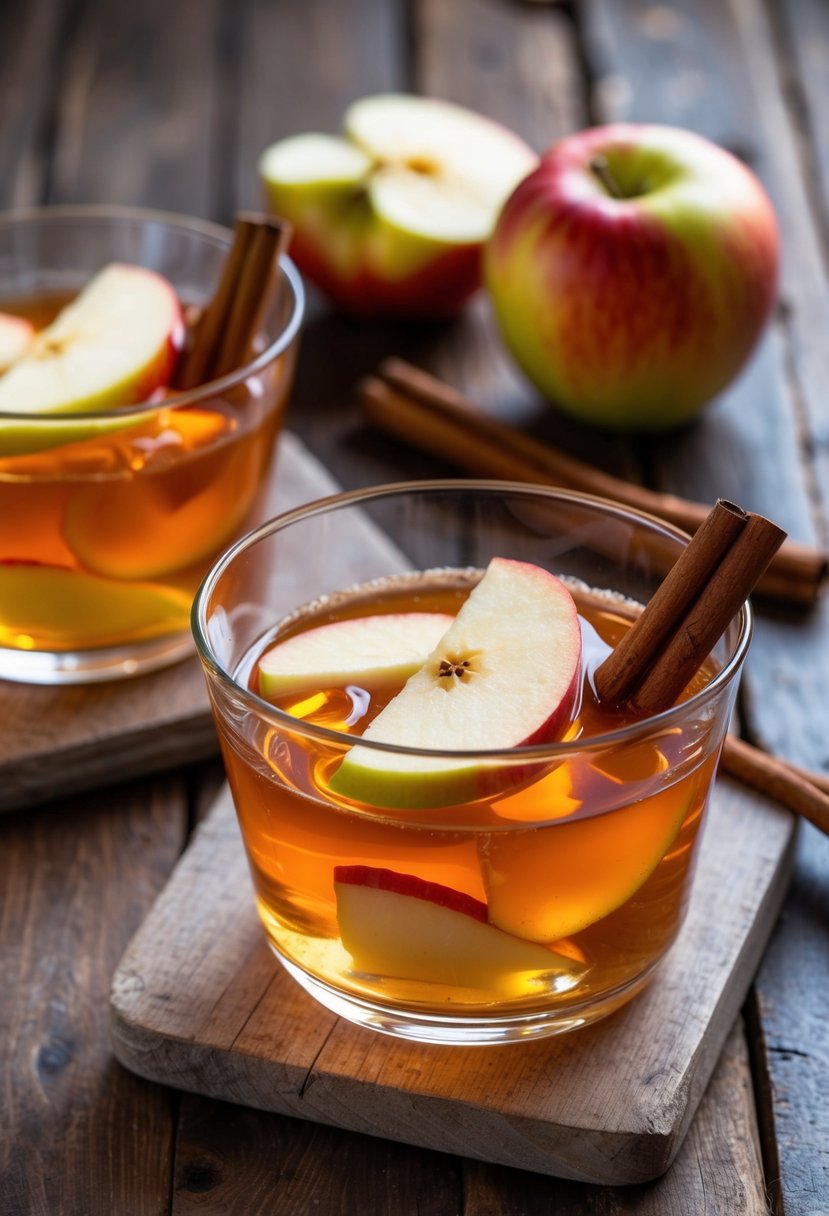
(632, 273)
(391, 216)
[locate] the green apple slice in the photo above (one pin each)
(315, 160)
(61, 608)
(372, 651)
(18, 438)
(16, 336)
(402, 926)
(506, 673)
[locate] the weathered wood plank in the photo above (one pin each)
(302, 65)
(30, 68)
(239, 1162)
(141, 93)
(718, 1169)
(77, 1133)
(763, 443)
(803, 45)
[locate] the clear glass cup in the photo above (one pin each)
(538, 908)
(109, 521)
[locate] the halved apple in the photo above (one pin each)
(114, 345)
(506, 673)
(16, 336)
(373, 651)
(58, 608)
(392, 216)
(398, 925)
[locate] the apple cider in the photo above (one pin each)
(451, 838)
(555, 892)
(108, 525)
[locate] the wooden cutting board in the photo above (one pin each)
(200, 1003)
(59, 741)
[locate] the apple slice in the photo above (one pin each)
(372, 651)
(65, 609)
(16, 335)
(114, 345)
(551, 882)
(399, 925)
(506, 673)
(392, 216)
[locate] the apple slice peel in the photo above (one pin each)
(505, 674)
(403, 926)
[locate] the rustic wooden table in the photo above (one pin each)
(168, 104)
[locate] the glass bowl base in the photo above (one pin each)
(93, 666)
(473, 1030)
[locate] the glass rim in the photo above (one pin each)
(625, 734)
(192, 225)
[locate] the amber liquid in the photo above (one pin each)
(103, 541)
(599, 875)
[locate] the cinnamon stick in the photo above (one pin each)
(691, 639)
(805, 794)
(678, 591)
(223, 337)
(422, 410)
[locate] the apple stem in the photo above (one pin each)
(600, 167)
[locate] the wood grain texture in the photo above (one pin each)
(76, 883)
(141, 90)
(763, 442)
(58, 741)
(211, 1013)
(241, 1162)
(31, 37)
(716, 1171)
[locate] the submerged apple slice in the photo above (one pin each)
(60, 608)
(114, 345)
(16, 335)
(375, 651)
(392, 216)
(399, 925)
(548, 883)
(506, 673)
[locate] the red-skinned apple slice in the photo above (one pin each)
(505, 674)
(114, 345)
(16, 335)
(375, 651)
(399, 925)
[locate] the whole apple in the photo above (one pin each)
(632, 273)
(391, 216)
